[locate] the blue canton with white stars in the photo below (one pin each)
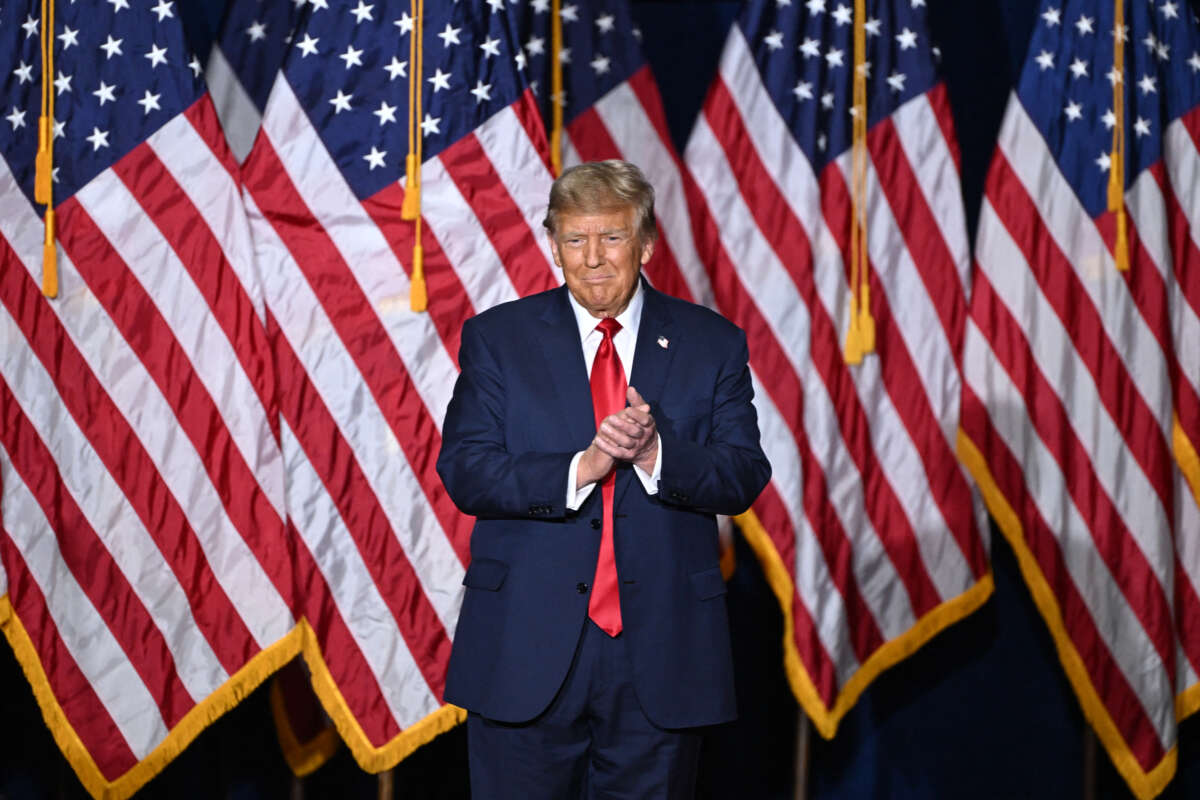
(121, 70)
(259, 33)
(1066, 86)
(804, 50)
(349, 67)
(601, 50)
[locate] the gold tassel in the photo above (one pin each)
(852, 351)
(860, 336)
(42, 161)
(50, 259)
(418, 297)
(866, 322)
(1116, 167)
(556, 87)
(410, 210)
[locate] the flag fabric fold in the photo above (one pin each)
(1081, 400)
(870, 533)
(142, 515)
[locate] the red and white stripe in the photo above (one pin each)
(143, 531)
(365, 381)
(873, 518)
(1075, 376)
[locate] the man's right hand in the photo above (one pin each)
(593, 465)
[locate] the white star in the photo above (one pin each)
(842, 15)
(803, 91)
(375, 157)
(449, 36)
(149, 102)
(1163, 51)
(405, 23)
(430, 125)
(482, 91)
(1146, 84)
(352, 57)
(105, 93)
(98, 139)
(118, 5)
(918, 3)
(1073, 110)
(1151, 41)
(1193, 62)
(157, 55)
(440, 80)
(361, 12)
(896, 81)
(810, 47)
(490, 47)
(637, 34)
(604, 23)
(340, 102)
(782, 3)
(256, 31)
(62, 83)
(600, 64)
(112, 48)
(1079, 68)
(821, 142)
(540, 6)
(1109, 119)
(865, 68)
(319, 5)
(569, 13)
(907, 39)
(24, 72)
(60, 129)
(815, 6)
(520, 60)
(1103, 162)
(564, 55)
(1121, 34)
(30, 26)
(1169, 10)
(834, 57)
(1141, 127)
(1053, 17)
(773, 40)
(68, 37)
(535, 46)
(1045, 60)
(497, 5)
(16, 118)
(871, 26)
(396, 69)
(1084, 24)
(827, 100)
(385, 113)
(1114, 76)
(163, 9)
(54, 174)
(308, 46)
(194, 66)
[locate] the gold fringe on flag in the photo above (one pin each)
(418, 297)
(43, 181)
(556, 87)
(860, 335)
(1116, 169)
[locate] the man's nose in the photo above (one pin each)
(593, 253)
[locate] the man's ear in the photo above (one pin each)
(647, 251)
(554, 250)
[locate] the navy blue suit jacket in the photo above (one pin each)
(521, 409)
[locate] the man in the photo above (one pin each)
(593, 633)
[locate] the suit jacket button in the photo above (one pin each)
(581, 588)
(596, 524)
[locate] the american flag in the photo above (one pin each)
(144, 539)
(870, 531)
(1082, 382)
(242, 65)
(364, 380)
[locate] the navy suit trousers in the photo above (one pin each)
(594, 741)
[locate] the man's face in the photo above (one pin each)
(601, 257)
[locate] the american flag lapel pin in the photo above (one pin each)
(662, 342)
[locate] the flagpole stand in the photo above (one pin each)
(1089, 762)
(803, 735)
(387, 784)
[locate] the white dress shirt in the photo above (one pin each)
(625, 342)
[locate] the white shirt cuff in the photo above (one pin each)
(575, 497)
(650, 482)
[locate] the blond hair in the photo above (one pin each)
(599, 186)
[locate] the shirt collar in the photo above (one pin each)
(629, 318)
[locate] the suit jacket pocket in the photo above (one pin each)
(708, 583)
(486, 573)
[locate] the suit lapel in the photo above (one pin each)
(651, 361)
(566, 370)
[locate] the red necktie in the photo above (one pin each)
(608, 397)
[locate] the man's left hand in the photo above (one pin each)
(630, 434)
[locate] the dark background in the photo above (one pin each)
(982, 711)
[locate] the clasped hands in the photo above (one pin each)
(629, 435)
